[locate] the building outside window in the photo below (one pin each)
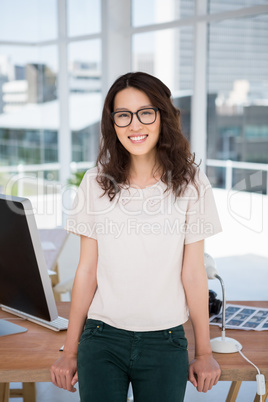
(161, 38)
(238, 87)
(29, 84)
(237, 78)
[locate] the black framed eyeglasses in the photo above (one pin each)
(124, 118)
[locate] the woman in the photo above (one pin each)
(142, 214)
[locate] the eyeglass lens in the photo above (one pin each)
(145, 116)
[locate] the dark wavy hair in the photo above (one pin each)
(173, 151)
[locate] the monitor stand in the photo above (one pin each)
(8, 328)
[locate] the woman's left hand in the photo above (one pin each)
(204, 372)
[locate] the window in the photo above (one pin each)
(216, 6)
(158, 11)
(28, 20)
(27, 99)
(30, 123)
(84, 17)
(237, 90)
(168, 54)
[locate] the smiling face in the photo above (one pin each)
(137, 138)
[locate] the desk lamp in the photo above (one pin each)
(221, 344)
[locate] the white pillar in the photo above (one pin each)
(64, 133)
(199, 98)
(116, 40)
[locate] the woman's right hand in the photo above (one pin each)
(64, 373)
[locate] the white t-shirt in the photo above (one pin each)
(141, 236)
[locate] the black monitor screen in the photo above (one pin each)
(24, 281)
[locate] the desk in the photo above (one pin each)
(234, 368)
(27, 357)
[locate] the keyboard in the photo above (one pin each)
(59, 324)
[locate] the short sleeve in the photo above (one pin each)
(202, 219)
(81, 220)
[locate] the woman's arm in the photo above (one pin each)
(64, 370)
(204, 371)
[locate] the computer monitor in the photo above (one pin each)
(25, 286)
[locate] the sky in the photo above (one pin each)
(32, 21)
(36, 20)
(27, 20)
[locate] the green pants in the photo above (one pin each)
(155, 362)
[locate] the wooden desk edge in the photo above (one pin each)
(27, 376)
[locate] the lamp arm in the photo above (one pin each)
(223, 305)
(222, 344)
